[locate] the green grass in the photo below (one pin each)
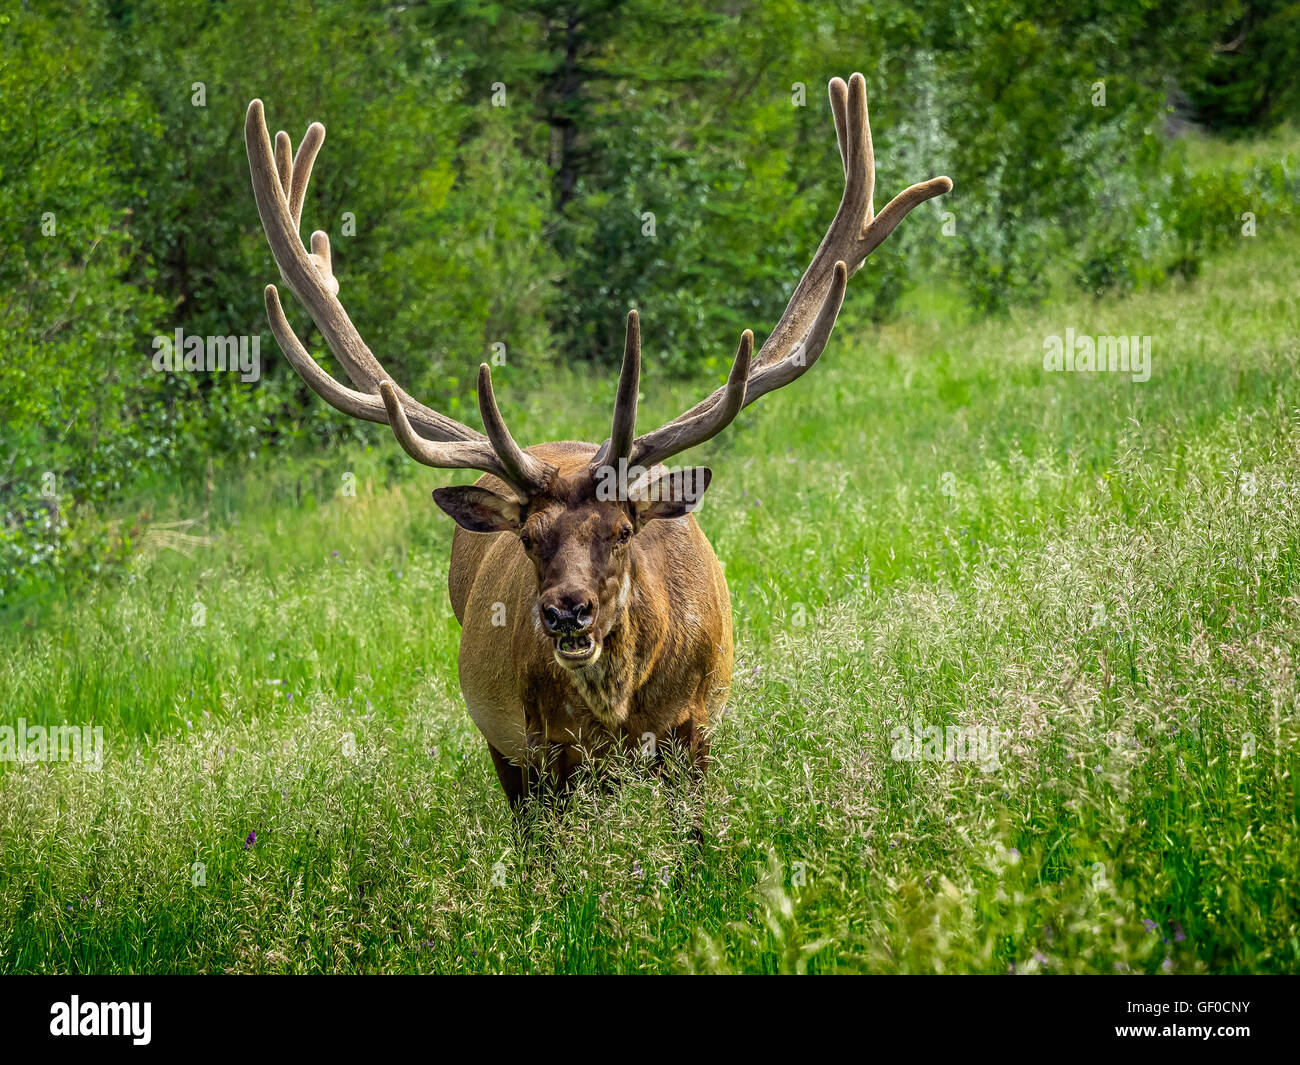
(928, 528)
(1218, 155)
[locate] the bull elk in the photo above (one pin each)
(593, 609)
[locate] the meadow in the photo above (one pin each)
(927, 530)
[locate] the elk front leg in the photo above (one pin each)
(693, 739)
(517, 781)
(555, 753)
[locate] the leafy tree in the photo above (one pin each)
(1247, 81)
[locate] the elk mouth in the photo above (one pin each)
(576, 648)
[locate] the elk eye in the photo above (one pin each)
(624, 534)
(526, 541)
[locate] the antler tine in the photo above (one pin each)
(340, 397)
(705, 420)
(839, 94)
(623, 428)
(284, 161)
(898, 208)
(279, 182)
(618, 445)
(323, 259)
(860, 158)
(520, 468)
(351, 402)
(447, 454)
(800, 335)
(302, 164)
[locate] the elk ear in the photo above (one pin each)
(479, 510)
(670, 495)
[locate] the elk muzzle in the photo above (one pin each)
(568, 617)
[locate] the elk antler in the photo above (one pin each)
(803, 329)
(280, 186)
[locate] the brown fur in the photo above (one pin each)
(664, 667)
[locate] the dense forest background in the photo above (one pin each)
(521, 174)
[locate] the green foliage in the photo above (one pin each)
(508, 181)
(76, 416)
(1246, 82)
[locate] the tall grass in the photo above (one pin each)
(928, 529)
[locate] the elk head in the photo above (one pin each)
(577, 526)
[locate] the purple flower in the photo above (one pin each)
(252, 838)
(1149, 925)
(1178, 932)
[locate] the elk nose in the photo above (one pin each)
(566, 614)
